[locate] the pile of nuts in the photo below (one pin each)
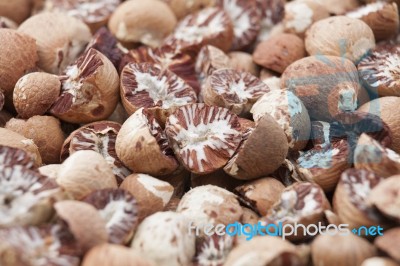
(127, 126)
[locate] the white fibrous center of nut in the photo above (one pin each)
(358, 188)
(317, 159)
(347, 100)
(215, 253)
(302, 16)
(365, 10)
(393, 155)
(239, 16)
(73, 83)
(157, 187)
(310, 204)
(115, 212)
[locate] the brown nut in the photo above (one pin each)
(17, 10)
(234, 90)
(60, 39)
(143, 147)
(35, 93)
(83, 172)
(152, 194)
(33, 129)
(147, 22)
(243, 62)
(388, 243)
(89, 90)
(327, 85)
(382, 18)
(260, 195)
(17, 56)
(340, 36)
(203, 137)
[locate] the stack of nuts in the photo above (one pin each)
(132, 131)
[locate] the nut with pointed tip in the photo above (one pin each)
(59, 37)
(161, 230)
(152, 194)
(143, 147)
(388, 243)
(147, 22)
(326, 37)
(83, 172)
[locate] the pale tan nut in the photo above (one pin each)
(89, 89)
(261, 194)
(234, 90)
(327, 85)
(203, 137)
(182, 8)
(12, 139)
(17, 56)
(50, 170)
(152, 194)
(379, 261)
(143, 147)
(35, 93)
(340, 36)
(279, 51)
(243, 61)
(350, 201)
(334, 249)
(339, 8)
(300, 15)
(48, 141)
(289, 112)
(17, 10)
(388, 243)
(210, 205)
(59, 38)
(261, 152)
(147, 22)
(84, 222)
(112, 254)
(161, 230)
(265, 250)
(84, 172)
(7, 23)
(384, 108)
(383, 19)
(209, 26)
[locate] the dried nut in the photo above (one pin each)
(143, 146)
(339, 8)
(158, 90)
(262, 150)
(94, 13)
(118, 208)
(7, 23)
(290, 113)
(213, 250)
(246, 18)
(84, 172)
(273, 12)
(265, 250)
(211, 25)
(84, 222)
(326, 37)
(60, 39)
(379, 261)
(383, 108)
(47, 245)
(345, 250)
(350, 199)
(50, 170)
(112, 255)
(203, 137)
(12, 139)
(383, 18)
(385, 196)
(89, 91)
(234, 90)
(300, 15)
(388, 243)
(260, 195)
(99, 137)
(161, 230)
(33, 129)
(279, 51)
(218, 178)
(17, 56)
(378, 70)
(147, 22)
(34, 93)
(372, 156)
(17, 10)
(243, 62)
(324, 165)
(152, 194)
(325, 97)
(210, 205)
(301, 203)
